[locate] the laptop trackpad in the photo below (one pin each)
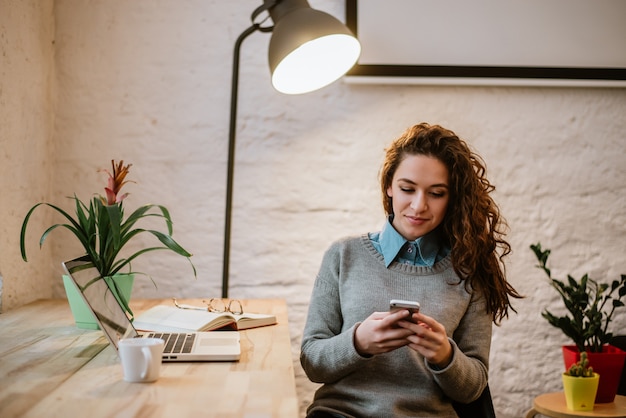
(213, 341)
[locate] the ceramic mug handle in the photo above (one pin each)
(147, 356)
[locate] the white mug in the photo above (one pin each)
(141, 358)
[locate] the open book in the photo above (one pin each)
(162, 318)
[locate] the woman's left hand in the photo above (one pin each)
(429, 339)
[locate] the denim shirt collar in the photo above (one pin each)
(393, 245)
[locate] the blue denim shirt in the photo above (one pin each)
(424, 251)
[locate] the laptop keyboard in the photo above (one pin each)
(175, 343)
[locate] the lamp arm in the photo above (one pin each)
(232, 128)
(231, 155)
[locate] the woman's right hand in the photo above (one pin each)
(378, 333)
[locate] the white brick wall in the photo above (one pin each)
(149, 82)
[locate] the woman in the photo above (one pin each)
(442, 246)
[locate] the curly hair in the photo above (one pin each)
(472, 226)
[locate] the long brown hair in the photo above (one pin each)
(473, 226)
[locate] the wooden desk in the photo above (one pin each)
(553, 405)
(48, 367)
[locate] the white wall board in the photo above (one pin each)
(545, 42)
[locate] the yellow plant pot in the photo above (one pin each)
(580, 392)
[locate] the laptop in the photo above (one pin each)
(114, 322)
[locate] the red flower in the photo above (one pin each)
(115, 183)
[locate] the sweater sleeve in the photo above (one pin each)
(465, 378)
(328, 352)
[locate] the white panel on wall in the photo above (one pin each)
(544, 40)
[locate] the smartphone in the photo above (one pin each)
(413, 307)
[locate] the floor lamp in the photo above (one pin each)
(309, 49)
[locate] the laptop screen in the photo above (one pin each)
(99, 296)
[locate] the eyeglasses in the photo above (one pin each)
(215, 305)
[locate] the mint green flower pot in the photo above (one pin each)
(83, 317)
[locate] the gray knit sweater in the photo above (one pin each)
(351, 284)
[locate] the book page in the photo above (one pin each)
(253, 320)
(163, 318)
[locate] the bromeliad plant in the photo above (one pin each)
(102, 229)
(591, 306)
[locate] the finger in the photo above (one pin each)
(378, 315)
(410, 325)
(422, 341)
(429, 340)
(422, 346)
(416, 327)
(393, 317)
(399, 333)
(428, 321)
(388, 341)
(424, 335)
(433, 351)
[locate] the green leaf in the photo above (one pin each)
(587, 303)
(103, 232)
(75, 228)
(115, 222)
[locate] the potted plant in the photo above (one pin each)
(591, 306)
(580, 385)
(103, 231)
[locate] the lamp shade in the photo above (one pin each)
(310, 49)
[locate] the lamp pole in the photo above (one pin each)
(232, 128)
(300, 25)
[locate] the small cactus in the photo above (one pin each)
(582, 368)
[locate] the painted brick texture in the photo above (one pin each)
(149, 82)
